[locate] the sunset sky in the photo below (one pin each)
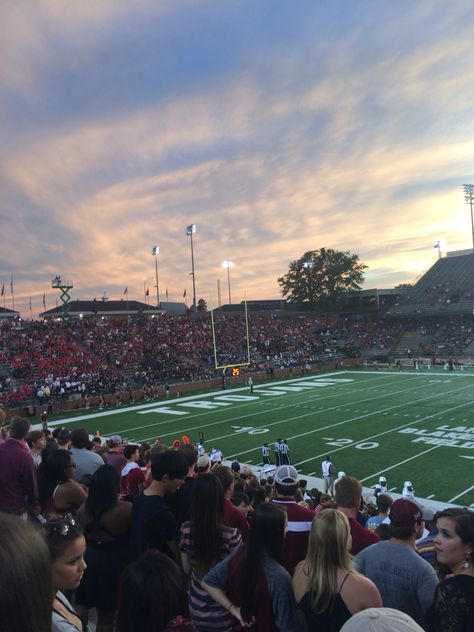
(275, 126)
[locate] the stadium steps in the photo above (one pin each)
(409, 340)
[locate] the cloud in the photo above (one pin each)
(315, 131)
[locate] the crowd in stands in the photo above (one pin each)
(158, 539)
(40, 360)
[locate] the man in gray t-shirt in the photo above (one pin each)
(87, 462)
(405, 580)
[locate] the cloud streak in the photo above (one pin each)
(290, 131)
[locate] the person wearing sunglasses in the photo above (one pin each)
(66, 546)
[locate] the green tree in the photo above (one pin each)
(322, 277)
(201, 305)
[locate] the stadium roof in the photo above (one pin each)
(103, 308)
(8, 313)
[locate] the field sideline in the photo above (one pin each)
(415, 426)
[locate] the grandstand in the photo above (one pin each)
(446, 288)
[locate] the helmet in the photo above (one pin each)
(407, 484)
(340, 474)
(382, 480)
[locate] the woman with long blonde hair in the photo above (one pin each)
(327, 589)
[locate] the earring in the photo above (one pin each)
(467, 562)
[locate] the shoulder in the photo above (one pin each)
(300, 581)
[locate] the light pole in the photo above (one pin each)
(228, 265)
(190, 230)
(155, 252)
(309, 265)
(469, 198)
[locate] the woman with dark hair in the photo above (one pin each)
(205, 541)
(105, 520)
(58, 493)
(327, 588)
(25, 578)
(252, 585)
(152, 596)
(453, 606)
(66, 546)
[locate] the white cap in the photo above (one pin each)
(381, 620)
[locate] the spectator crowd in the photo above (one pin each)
(150, 538)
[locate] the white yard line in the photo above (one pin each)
(380, 434)
(275, 423)
(387, 469)
(303, 434)
(466, 491)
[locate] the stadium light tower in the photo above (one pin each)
(190, 230)
(469, 198)
(228, 265)
(155, 252)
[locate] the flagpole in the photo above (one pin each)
(12, 292)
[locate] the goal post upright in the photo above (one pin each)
(226, 366)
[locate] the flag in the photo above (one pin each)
(126, 290)
(147, 292)
(3, 290)
(44, 300)
(184, 294)
(11, 285)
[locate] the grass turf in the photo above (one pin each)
(371, 422)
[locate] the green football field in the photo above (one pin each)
(416, 426)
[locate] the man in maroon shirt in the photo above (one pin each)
(299, 518)
(18, 489)
(348, 498)
(233, 517)
(115, 456)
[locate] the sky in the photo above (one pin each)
(276, 127)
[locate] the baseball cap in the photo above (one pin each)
(64, 435)
(405, 513)
(116, 439)
(381, 620)
(286, 475)
(202, 462)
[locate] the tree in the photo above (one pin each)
(201, 305)
(322, 277)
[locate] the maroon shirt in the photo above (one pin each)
(361, 537)
(18, 488)
(299, 526)
(116, 460)
(234, 518)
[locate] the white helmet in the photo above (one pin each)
(341, 474)
(382, 480)
(407, 484)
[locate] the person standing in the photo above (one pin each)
(406, 581)
(453, 606)
(299, 518)
(250, 383)
(327, 471)
(18, 487)
(348, 499)
(153, 526)
(115, 456)
(266, 454)
(276, 449)
(284, 453)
